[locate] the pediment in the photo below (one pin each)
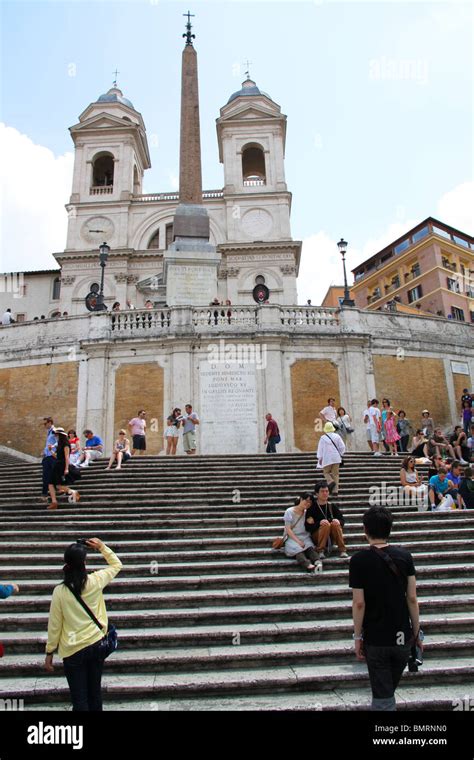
(103, 121)
(251, 112)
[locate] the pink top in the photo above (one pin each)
(138, 426)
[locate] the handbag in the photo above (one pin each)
(342, 458)
(109, 643)
(278, 543)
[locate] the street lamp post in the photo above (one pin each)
(104, 250)
(347, 300)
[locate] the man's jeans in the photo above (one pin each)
(271, 444)
(83, 671)
(48, 464)
(385, 666)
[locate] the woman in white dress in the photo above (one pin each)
(299, 544)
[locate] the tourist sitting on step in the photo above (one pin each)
(8, 590)
(439, 444)
(466, 489)
(325, 521)
(94, 449)
(121, 452)
(439, 488)
(458, 441)
(454, 476)
(72, 630)
(64, 473)
(420, 445)
(298, 544)
(412, 483)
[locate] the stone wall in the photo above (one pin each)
(140, 386)
(313, 381)
(29, 393)
(414, 384)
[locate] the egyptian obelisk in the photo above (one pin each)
(190, 262)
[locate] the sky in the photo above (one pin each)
(378, 95)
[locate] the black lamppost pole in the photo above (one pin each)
(347, 300)
(104, 250)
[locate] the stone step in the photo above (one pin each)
(410, 696)
(41, 579)
(198, 659)
(232, 612)
(314, 678)
(195, 536)
(455, 625)
(242, 559)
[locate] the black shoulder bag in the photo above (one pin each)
(109, 643)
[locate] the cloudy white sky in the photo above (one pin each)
(378, 97)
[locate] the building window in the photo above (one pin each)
(169, 235)
(103, 170)
(414, 294)
(460, 241)
(253, 165)
(155, 240)
(420, 234)
(457, 314)
(56, 288)
(453, 284)
(21, 317)
(396, 281)
(442, 233)
(415, 270)
(472, 316)
(402, 246)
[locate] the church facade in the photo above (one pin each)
(233, 361)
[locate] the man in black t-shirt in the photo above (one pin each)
(384, 608)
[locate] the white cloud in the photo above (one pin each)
(457, 208)
(321, 263)
(35, 185)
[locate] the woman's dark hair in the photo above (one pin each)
(378, 522)
(407, 461)
(419, 432)
(302, 497)
(468, 472)
(402, 411)
(343, 411)
(72, 432)
(385, 401)
(75, 574)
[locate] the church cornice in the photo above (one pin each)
(261, 245)
(115, 253)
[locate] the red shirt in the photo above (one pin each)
(272, 429)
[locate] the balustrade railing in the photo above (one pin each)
(102, 190)
(180, 318)
(164, 197)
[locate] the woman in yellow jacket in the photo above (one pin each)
(72, 630)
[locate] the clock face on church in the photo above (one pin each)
(257, 223)
(96, 230)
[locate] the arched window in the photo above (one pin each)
(56, 288)
(103, 170)
(155, 240)
(253, 166)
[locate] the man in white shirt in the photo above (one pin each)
(366, 419)
(329, 413)
(330, 452)
(375, 426)
(7, 318)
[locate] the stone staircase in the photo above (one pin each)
(209, 617)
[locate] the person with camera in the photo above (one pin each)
(325, 521)
(385, 611)
(72, 631)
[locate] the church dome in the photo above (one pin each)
(248, 88)
(114, 95)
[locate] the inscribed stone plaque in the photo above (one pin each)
(190, 284)
(228, 408)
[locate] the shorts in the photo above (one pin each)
(189, 441)
(369, 435)
(95, 454)
(139, 442)
(171, 432)
(374, 434)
